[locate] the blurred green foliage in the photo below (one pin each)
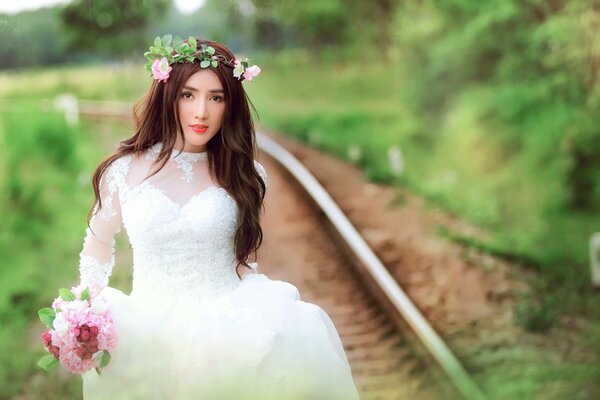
(42, 196)
(504, 95)
(524, 71)
(111, 27)
(31, 38)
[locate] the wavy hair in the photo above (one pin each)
(231, 152)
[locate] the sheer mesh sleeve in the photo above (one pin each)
(261, 171)
(97, 258)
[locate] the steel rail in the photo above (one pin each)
(388, 285)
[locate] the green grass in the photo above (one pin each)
(95, 82)
(44, 199)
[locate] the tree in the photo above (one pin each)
(114, 27)
(326, 23)
(534, 65)
(30, 38)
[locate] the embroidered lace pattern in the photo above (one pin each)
(181, 250)
(110, 184)
(183, 159)
(186, 251)
(93, 271)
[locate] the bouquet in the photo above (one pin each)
(82, 333)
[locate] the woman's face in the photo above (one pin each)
(201, 106)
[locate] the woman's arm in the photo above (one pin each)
(97, 258)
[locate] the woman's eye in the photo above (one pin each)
(218, 99)
(186, 95)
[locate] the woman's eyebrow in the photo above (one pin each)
(195, 90)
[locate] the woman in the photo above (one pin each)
(200, 322)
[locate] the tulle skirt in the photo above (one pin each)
(259, 341)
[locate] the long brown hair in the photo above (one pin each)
(231, 152)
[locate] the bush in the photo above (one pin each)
(42, 204)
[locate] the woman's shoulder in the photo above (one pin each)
(118, 168)
(261, 171)
(121, 164)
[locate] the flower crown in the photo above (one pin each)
(167, 51)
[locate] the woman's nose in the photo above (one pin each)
(202, 110)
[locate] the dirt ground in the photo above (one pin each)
(298, 248)
(469, 297)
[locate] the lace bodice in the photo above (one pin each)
(179, 223)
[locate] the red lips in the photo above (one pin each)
(199, 128)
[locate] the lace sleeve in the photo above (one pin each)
(97, 258)
(261, 171)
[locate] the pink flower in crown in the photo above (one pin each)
(251, 72)
(161, 69)
(248, 73)
(238, 70)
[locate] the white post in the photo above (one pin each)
(68, 103)
(396, 160)
(314, 138)
(354, 152)
(595, 259)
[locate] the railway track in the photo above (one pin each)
(393, 352)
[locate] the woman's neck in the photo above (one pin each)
(188, 148)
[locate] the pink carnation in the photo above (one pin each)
(58, 303)
(161, 69)
(238, 69)
(56, 340)
(69, 340)
(47, 339)
(107, 338)
(93, 289)
(248, 73)
(251, 72)
(71, 361)
(75, 363)
(75, 311)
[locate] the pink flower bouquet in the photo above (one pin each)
(82, 333)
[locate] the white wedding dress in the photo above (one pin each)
(191, 329)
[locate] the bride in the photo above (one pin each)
(200, 322)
